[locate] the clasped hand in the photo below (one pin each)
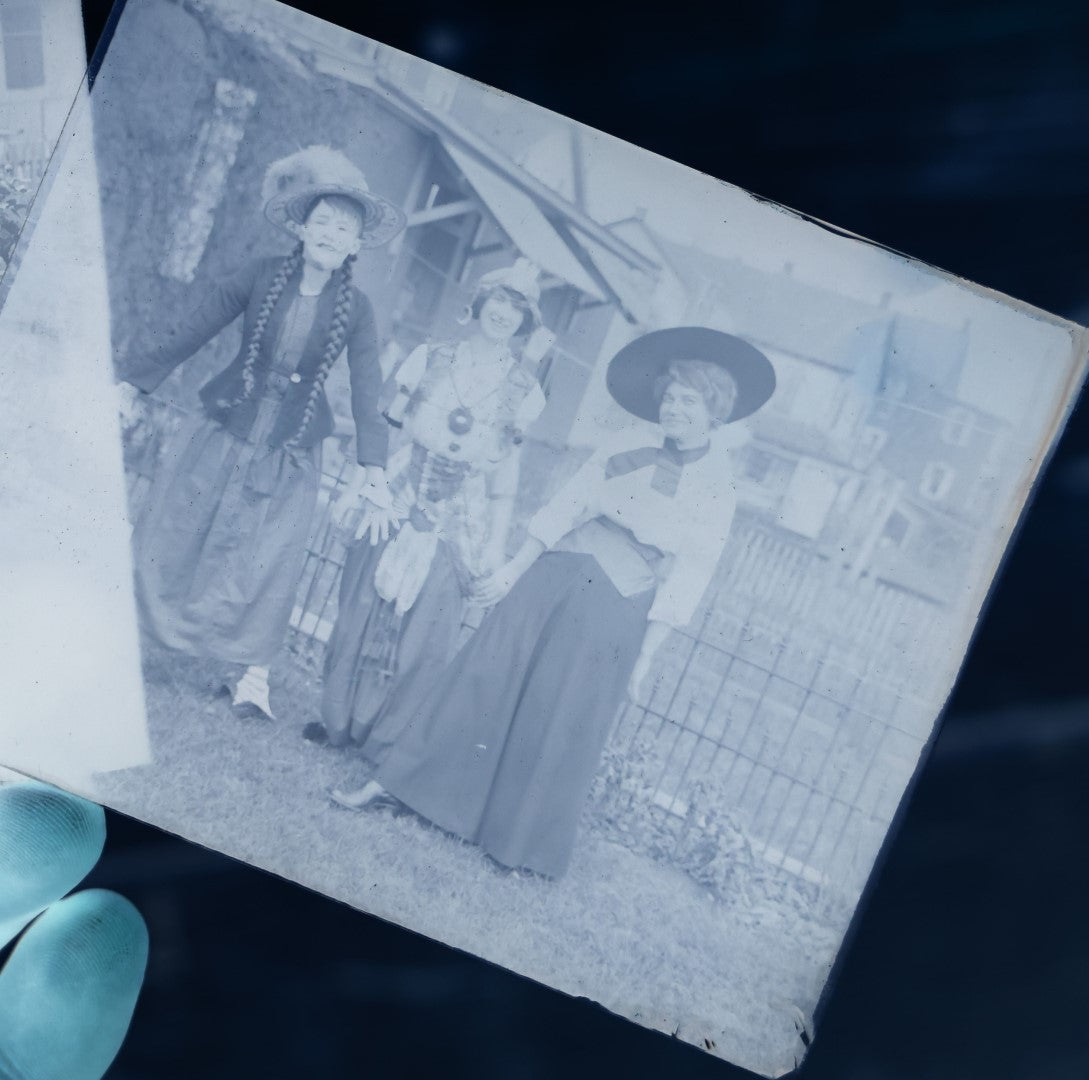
(490, 588)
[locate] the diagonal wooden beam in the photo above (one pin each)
(442, 212)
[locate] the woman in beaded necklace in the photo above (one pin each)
(463, 406)
(220, 545)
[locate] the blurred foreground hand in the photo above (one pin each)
(69, 987)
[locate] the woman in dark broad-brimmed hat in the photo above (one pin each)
(220, 546)
(503, 747)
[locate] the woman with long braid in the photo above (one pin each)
(221, 543)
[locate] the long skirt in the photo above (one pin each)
(220, 546)
(376, 659)
(503, 748)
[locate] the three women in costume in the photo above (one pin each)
(500, 744)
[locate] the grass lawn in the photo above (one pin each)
(639, 937)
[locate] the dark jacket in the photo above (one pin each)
(243, 294)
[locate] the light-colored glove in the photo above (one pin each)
(404, 566)
(377, 522)
(379, 518)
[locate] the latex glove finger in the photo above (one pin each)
(49, 840)
(69, 988)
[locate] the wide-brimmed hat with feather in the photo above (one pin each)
(293, 184)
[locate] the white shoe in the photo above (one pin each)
(370, 794)
(253, 690)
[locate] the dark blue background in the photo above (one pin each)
(958, 134)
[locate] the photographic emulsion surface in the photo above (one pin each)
(529, 540)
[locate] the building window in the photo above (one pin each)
(24, 59)
(757, 465)
(936, 480)
(957, 426)
(558, 308)
(432, 266)
(434, 252)
(788, 375)
(809, 498)
(896, 530)
(818, 397)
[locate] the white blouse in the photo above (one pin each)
(688, 525)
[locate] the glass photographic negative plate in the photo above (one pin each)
(536, 543)
(69, 661)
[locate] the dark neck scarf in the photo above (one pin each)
(667, 461)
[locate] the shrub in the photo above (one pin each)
(15, 198)
(707, 843)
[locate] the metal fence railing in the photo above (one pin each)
(808, 756)
(784, 707)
